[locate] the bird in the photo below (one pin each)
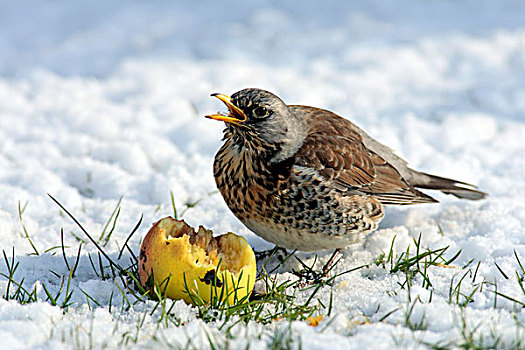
(307, 179)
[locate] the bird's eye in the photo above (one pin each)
(260, 112)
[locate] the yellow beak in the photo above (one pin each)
(236, 115)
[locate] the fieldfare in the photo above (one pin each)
(305, 178)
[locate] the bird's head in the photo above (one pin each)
(260, 120)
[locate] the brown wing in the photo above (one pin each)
(342, 158)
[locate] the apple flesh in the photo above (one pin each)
(195, 266)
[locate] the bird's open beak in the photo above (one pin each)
(236, 115)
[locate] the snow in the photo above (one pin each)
(100, 100)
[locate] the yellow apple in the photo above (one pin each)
(177, 259)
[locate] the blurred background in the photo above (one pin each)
(106, 99)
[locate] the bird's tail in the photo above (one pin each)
(448, 186)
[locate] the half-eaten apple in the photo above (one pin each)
(195, 266)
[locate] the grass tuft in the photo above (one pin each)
(26, 234)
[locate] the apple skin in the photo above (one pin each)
(223, 267)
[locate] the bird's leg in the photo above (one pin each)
(328, 266)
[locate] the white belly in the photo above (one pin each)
(301, 240)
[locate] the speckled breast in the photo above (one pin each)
(292, 206)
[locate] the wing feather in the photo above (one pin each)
(344, 160)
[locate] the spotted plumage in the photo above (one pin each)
(305, 178)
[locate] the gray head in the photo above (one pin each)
(262, 121)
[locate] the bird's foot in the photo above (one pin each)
(310, 277)
(278, 252)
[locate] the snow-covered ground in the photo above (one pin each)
(100, 100)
